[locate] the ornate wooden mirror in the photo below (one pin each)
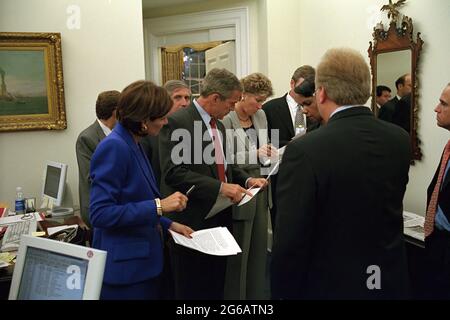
(394, 57)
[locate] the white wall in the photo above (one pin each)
(336, 23)
(210, 5)
(105, 53)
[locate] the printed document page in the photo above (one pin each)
(215, 241)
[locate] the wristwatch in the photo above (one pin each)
(158, 207)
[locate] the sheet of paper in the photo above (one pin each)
(413, 225)
(247, 198)
(53, 230)
(215, 241)
(222, 203)
(19, 218)
(274, 170)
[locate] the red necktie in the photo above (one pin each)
(218, 152)
(432, 206)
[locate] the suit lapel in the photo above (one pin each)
(285, 115)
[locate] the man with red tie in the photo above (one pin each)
(192, 152)
(437, 220)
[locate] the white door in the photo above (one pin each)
(222, 56)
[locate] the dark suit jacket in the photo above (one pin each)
(388, 109)
(444, 194)
(193, 170)
(402, 113)
(123, 210)
(150, 144)
(87, 141)
(340, 193)
(279, 117)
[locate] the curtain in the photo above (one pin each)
(172, 59)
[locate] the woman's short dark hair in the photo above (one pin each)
(140, 101)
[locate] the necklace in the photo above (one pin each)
(243, 120)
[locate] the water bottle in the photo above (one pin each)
(20, 201)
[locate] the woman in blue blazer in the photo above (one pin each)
(125, 207)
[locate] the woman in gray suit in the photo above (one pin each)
(247, 138)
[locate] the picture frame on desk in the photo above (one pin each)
(31, 82)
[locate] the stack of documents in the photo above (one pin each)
(215, 241)
(413, 225)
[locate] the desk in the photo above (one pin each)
(415, 251)
(7, 273)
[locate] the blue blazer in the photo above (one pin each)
(123, 211)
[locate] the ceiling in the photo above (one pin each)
(152, 4)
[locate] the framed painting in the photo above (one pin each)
(31, 82)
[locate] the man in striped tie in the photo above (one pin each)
(437, 220)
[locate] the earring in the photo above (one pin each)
(144, 127)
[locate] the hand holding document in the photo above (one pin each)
(215, 241)
(247, 198)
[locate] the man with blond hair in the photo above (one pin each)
(339, 232)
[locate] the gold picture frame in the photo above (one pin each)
(31, 82)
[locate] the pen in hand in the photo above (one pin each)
(190, 190)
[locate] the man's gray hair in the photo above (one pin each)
(173, 85)
(220, 81)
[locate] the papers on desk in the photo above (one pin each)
(20, 217)
(53, 230)
(413, 225)
(6, 259)
(215, 241)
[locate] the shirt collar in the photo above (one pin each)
(205, 115)
(105, 129)
(291, 102)
(341, 108)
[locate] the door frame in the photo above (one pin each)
(156, 29)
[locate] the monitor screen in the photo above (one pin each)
(53, 270)
(54, 182)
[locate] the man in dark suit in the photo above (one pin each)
(437, 220)
(192, 153)
(404, 86)
(402, 113)
(280, 113)
(87, 141)
(339, 231)
(181, 96)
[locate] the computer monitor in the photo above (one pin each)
(53, 270)
(54, 182)
(53, 189)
